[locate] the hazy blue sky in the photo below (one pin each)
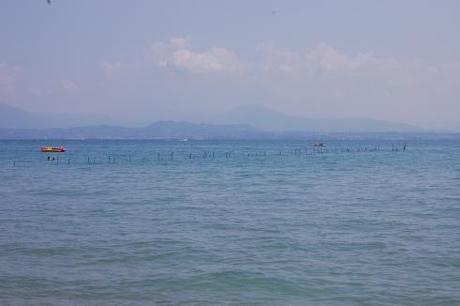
(147, 60)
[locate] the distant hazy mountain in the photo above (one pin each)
(12, 117)
(266, 119)
(240, 123)
(157, 130)
(193, 130)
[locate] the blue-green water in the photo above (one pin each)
(127, 223)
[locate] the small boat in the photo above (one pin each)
(319, 144)
(48, 149)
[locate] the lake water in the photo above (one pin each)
(230, 223)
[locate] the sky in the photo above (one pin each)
(138, 61)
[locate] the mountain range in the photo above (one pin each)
(252, 121)
(157, 130)
(267, 119)
(16, 118)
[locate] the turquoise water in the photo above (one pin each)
(271, 223)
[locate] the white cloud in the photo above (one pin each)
(178, 53)
(279, 60)
(68, 85)
(16, 81)
(53, 87)
(318, 81)
(325, 81)
(323, 58)
(114, 68)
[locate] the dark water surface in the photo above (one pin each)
(127, 223)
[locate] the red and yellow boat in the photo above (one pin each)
(48, 149)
